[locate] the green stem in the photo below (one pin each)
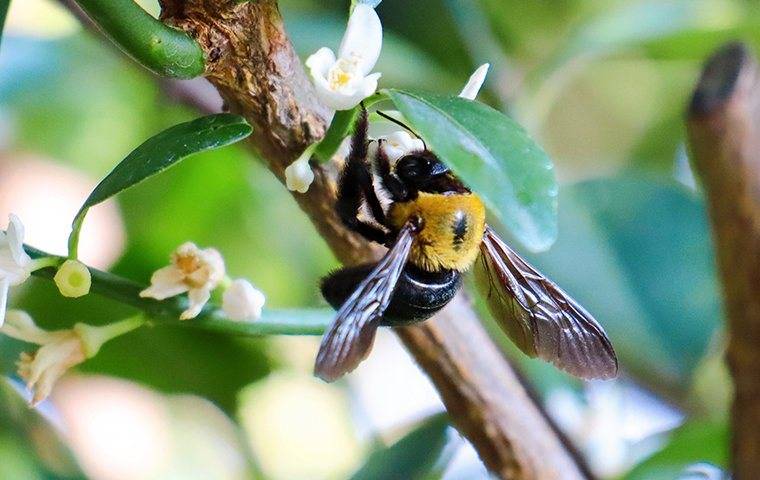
(167, 312)
(76, 228)
(160, 48)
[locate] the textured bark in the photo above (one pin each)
(253, 66)
(724, 133)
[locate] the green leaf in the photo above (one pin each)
(159, 153)
(643, 247)
(419, 454)
(494, 156)
(692, 443)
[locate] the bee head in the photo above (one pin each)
(420, 168)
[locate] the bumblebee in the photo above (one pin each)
(435, 230)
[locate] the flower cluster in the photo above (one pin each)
(60, 350)
(198, 272)
(342, 82)
(193, 271)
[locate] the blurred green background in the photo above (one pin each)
(601, 84)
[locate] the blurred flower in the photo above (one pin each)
(15, 264)
(59, 350)
(194, 271)
(471, 89)
(595, 427)
(241, 301)
(343, 82)
(298, 175)
(73, 279)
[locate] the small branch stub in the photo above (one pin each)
(724, 135)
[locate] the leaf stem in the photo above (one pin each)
(167, 312)
(164, 50)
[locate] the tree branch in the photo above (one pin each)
(724, 134)
(252, 64)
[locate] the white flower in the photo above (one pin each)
(400, 143)
(15, 264)
(241, 301)
(59, 351)
(73, 279)
(343, 82)
(471, 89)
(194, 271)
(298, 175)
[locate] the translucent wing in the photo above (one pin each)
(539, 317)
(350, 337)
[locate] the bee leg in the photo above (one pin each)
(355, 184)
(397, 190)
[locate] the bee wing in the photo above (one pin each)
(539, 317)
(350, 337)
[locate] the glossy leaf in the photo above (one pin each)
(692, 443)
(494, 156)
(416, 456)
(161, 152)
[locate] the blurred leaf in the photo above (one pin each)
(3, 12)
(414, 457)
(692, 443)
(494, 156)
(637, 254)
(628, 25)
(31, 446)
(161, 152)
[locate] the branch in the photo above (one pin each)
(253, 66)
(159, 48)
(724, 134)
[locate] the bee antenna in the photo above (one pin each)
(402, 125)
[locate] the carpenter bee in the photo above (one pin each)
(435, 229)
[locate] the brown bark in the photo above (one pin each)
(724, 134)
(252, 64)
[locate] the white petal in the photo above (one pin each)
(320, 62)
(369, 84)
(400, 143)
(21, 326)
(470, 91)
(338, 100)
(166, 282)
(298, 176)
(241, 301)
(15, 240)
(4, 287)
(363, 38)
(198, 298)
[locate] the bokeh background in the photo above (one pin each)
(601, 84)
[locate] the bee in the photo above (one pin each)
(435, 230)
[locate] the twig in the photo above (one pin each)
(724, 133)
(252, 64)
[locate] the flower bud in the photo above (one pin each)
(241, 301)
(73, 279)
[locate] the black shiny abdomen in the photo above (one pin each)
(418, 294)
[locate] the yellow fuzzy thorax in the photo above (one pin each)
(452, 229)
